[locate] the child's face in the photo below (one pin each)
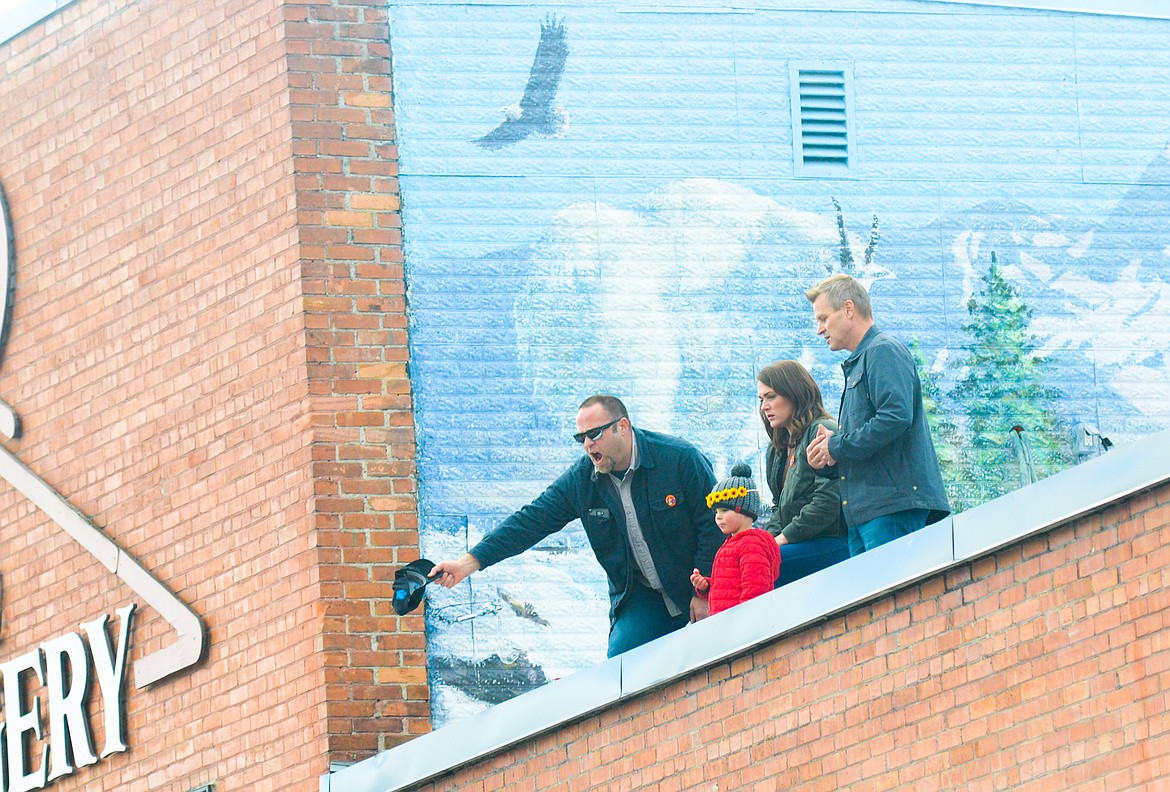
(731, 521)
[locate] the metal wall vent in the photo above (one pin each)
(822, 106)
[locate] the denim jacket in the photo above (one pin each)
(885, 458)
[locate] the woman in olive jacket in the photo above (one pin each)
(806, 508)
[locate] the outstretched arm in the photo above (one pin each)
(549, 513)
(450, 572)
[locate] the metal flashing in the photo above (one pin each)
(1151, 9)
(492, 730)
(17, 16)
(1043, 506)
(784, 611)
(1154, 9)
(1051, 502)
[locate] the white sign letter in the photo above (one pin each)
(111, 674)
(18, 722)
(69, 735)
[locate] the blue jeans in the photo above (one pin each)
(803, 558)
(641, 617)
(886, 528)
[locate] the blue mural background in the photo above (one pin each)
(626, 218)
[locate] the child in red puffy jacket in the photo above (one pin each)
(748, 563)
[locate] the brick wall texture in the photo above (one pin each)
(208, 355)
(208, 352)
(1043, 667)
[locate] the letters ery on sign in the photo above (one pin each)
(45, 729)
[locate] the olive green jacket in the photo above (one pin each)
(804, 505)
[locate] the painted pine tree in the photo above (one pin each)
(845, 251)
(948, 440)
(1002, 385)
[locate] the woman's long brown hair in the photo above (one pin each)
(791, 380)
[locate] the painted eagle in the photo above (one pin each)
(535, 114)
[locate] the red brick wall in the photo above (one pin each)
(208, 354)
(1045, 666)
(346, 165)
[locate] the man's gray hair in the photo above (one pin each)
(840, 288)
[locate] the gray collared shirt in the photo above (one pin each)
(638, 547)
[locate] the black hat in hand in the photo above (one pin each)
(409, 585)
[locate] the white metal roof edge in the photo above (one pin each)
(1044, 506)
(25, 14)
(1153, 9)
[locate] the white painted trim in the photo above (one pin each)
(187, 648)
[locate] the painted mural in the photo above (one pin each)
(599, 199)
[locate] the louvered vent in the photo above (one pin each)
(821, 113)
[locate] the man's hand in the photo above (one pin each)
(818, 450)
(781, 540)
(449, 573)
(700, 609)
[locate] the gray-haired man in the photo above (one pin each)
(883, 453)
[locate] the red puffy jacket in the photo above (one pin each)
(746, 566)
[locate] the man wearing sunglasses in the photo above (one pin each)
(641, 497)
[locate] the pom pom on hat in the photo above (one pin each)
(741, 470)
(737, 492)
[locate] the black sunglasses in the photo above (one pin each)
(593, 433)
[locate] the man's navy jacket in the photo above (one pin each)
(669, 490)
